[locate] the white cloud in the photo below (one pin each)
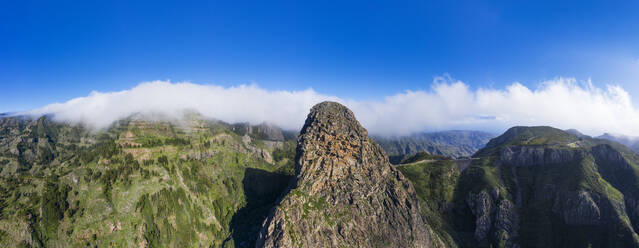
(449, 104)
(235, 104)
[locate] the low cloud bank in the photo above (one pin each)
(562, 103)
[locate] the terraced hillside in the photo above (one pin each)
(187, 183)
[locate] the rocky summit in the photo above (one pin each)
(345, 192)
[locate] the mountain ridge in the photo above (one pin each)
(452, 143)
(535, 187)
(630, 142)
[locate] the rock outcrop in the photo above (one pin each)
(531, 156)
(494, 215)
(263, 131)
(568, 190)
(611, 156)
(346, 193)
(579, 209)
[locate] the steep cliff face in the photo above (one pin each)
(531, 156)
(536, 187)
(346, 194)
(567, 191)
(621, 171)
(495, 219)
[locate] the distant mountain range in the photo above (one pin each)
(630, 142)
(455, 143)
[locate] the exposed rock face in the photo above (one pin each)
(611, 156)
(493, 214)
(346, 194)
(260, 152)
(632, 209)
(579, 209)
(481, 205)
(507, 223)
(530, 156)
(263, 131)
(539, 187)
(621, 174)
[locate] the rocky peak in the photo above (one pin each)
(346, 193)
(333, 146)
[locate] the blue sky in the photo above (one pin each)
(54, 51)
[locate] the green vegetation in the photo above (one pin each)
(422, 156)
(435, 185)
(138, 183)
(199, 184)
(553, 199)
(434, 181)
(529, 136)
(284, 157)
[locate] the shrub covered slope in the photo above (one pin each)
(192, 183)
